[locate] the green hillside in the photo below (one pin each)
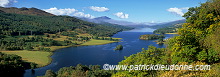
(170, 29)
(25, 11)
(197, 44)
(169, 24)
(24, 30)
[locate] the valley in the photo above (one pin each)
(92, 38)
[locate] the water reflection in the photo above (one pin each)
(142, 30)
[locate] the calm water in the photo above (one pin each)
(98, 54)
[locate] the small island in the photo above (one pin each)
(118, 47)
(160, 41)
(151, 37)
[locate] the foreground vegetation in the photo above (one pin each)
(79, 71)
(197, 44)
(12, 65)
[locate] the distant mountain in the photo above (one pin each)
(168, 24)
(25, 11)
(102, 18)
(105, 19)
(170, 27)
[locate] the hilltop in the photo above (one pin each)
(25, 11)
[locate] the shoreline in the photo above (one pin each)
(34, 58)
(53, 49)
(168, 33)
(171, 33)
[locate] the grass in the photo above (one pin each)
(97, 42)
(84, 35)
(43, 58)
(62, 38)
(53, 48)
(39, 57)
(171, 33)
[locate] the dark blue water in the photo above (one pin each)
(98, 54)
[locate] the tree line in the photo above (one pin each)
(151, 36)
(79, 71)
(17, 24)
(170, 29)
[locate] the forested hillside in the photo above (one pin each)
(197, 44)
(31, 29)
(25, 11)
(169, 29)
(169, 24)
(14, 29)
(16, 24)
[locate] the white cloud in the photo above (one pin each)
(178, 11)
(68, 11)
(6, 3)
(121, 15)
(185, 8)
(99, 9)
(81, 14)
(152, 21)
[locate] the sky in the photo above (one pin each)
(139, 11)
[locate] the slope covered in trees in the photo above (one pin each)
(169, 29)
(196, 45)
(202, 25)
(16, 24)
(35, 30)
(15, 29)
(25, 11)
(169, 24)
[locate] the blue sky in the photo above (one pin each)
(127, 10)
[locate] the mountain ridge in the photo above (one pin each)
(168, 24)
(25, 11)
(106, 19)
